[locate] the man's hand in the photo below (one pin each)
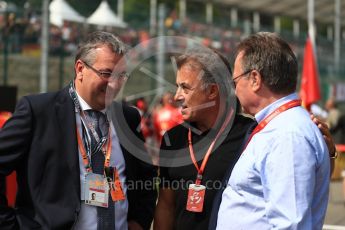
(328, 139)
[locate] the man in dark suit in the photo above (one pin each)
(52, 142)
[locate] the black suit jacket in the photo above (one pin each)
(39, 143)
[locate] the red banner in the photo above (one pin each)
(310, 88)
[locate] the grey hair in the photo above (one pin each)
(96, 39)
(210, 63)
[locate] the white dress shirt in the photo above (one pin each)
(87, 219)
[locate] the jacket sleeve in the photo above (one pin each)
(15, 141)
(142, 210)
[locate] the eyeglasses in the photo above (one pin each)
(234, 82)
(106, 74)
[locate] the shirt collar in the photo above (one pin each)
(271, 107)
(84, 105)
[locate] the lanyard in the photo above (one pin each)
(85, 120)
(209, 151)
(272, 115)
(85, 156)
(86, 153)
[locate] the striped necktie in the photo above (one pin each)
(105, 216)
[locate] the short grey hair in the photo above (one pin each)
(96, 39)
(212, 64)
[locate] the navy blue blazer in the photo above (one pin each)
(39, 143)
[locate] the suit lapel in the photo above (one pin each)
(66, 117)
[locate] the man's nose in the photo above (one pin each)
(177, 96)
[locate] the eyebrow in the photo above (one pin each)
(186, 85)
(105, 70)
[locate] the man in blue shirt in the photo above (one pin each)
(281, 180)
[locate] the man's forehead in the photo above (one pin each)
(238, 60)
(192, 65)
(239, 56)
(187, 71)
(120, 62)
(190, 68)
(188, 76)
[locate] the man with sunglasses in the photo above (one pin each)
(281, 180)
(65, 147)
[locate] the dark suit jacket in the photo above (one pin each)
(338, 131)
(39, 142)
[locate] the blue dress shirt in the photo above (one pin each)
(281, 180)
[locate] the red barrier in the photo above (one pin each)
(340, 147)
(11, 189)
(11, 182)
(4, 116)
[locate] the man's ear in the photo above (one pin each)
(78, 67)
(255, 80)
(213, 91)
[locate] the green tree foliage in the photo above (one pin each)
(137, 13)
